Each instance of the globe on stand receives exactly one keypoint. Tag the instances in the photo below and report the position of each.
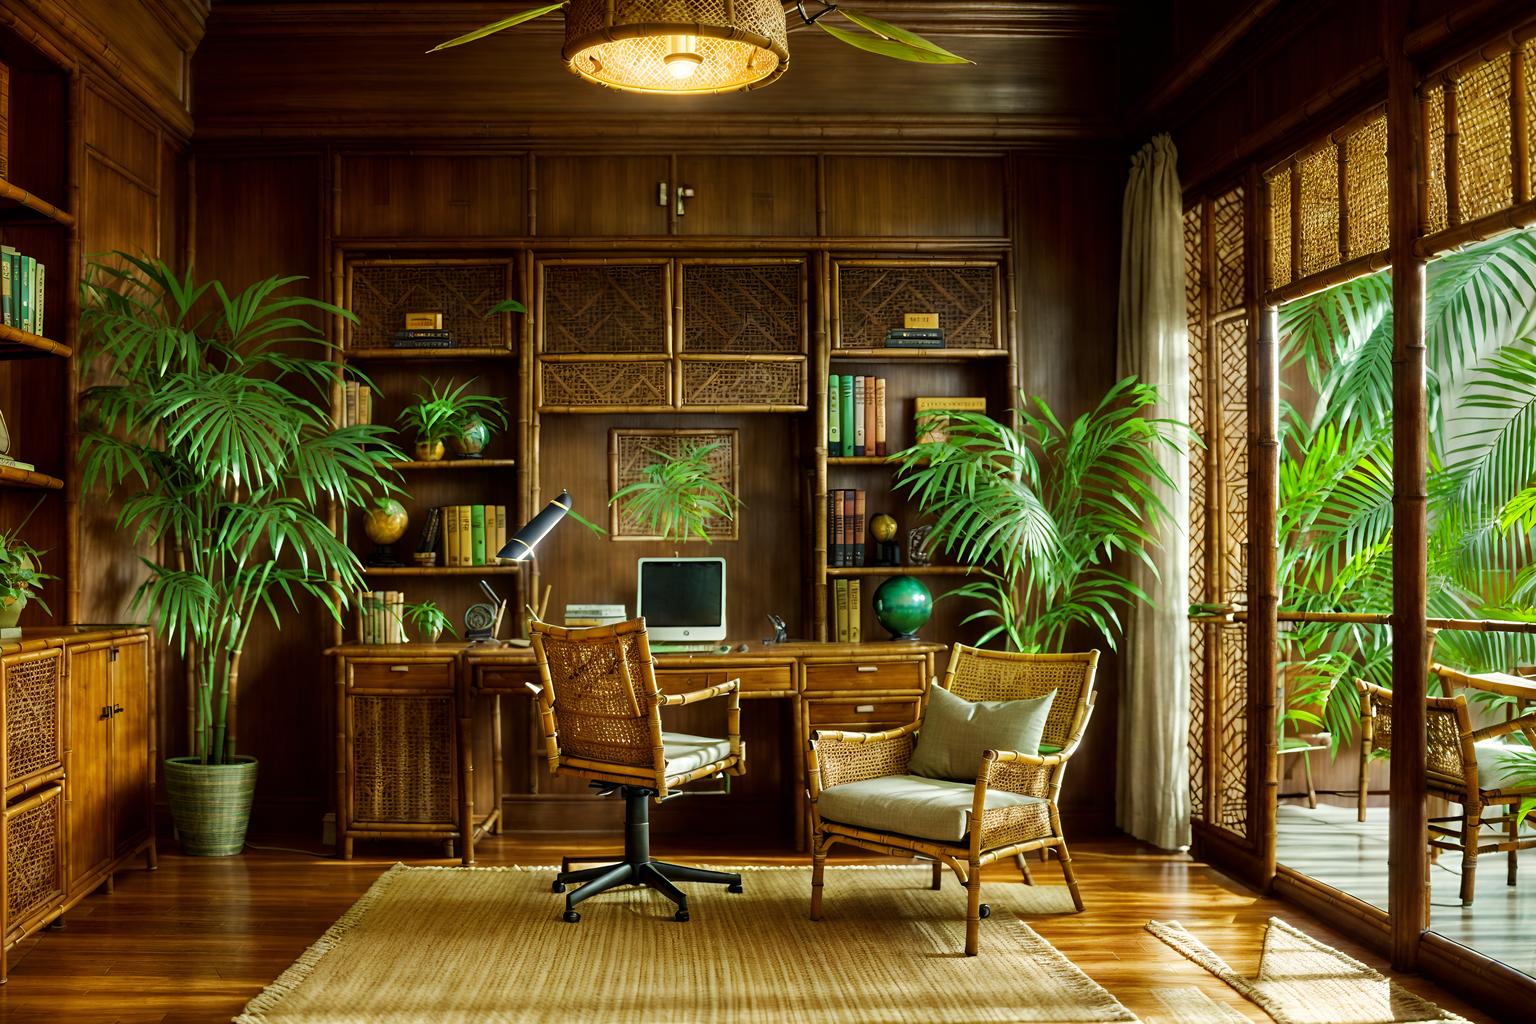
(902, 604)
(883, 528)
(384, 523)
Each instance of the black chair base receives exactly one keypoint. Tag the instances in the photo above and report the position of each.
(637, 867)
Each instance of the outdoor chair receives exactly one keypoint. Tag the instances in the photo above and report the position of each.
(877, 791)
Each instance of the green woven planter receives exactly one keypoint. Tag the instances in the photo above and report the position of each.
(210, 803)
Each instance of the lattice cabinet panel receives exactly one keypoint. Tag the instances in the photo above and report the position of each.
(34, 742)
(741, 384)
(743, 307)
(34, 860)
(630, 450)
(605, 386)
(589, 307)
(1480, 140)
(380, 292)
(402, 763)
(871, 297)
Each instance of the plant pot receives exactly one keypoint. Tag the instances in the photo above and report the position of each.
(429, 451)
(10, 609)
(471, 439)
(210, 804)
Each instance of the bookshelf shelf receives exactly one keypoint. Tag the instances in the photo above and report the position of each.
(16, 344)
(17, 204)
(10, 476)
(859, 460)
(412, 464)
(442, 570)
(947, 355)
(354, 354)
(901, 570)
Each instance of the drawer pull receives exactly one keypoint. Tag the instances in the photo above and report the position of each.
(399, 668)
(868, 668)
(864, 709)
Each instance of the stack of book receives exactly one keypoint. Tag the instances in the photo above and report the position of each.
(422, 339)
(593, 614)
(845, 528)
(914, 337)
(855, 415)
(381, 617)
(6, 460)
(22, 281)
(847, 612)
(472, 534)
(356, 404)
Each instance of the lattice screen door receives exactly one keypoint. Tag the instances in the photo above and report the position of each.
(1216, 297)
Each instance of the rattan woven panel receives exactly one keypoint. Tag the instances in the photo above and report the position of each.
(1438, 214)
(32, 723)
(850, 762)
(602, 384)
(1232, 730)
(1232, 342)
(777, 384)
(1228, 249)
(402, 760)
(34, 862)
(1365, 188)
(1442, 731)
(874, 299)
(1278, 186)
(599, 714)
(1319, 242)
(381, 295)
(1483, 140)
(618, 309)
(1528, 55)
(1198, 653)
(1013, 777)
(1194, 261)
(1007, 826)
(631, 450)
(743, 309)
(979, 677)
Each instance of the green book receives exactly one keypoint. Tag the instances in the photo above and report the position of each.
(846, 401)
(477, 535)
(834, 416)
(28, 274)
(7, 294)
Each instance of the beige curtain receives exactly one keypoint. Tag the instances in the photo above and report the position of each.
(1152, 787)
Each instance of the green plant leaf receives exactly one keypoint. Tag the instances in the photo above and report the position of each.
(497, 26)
(888, 47)
(897, 34)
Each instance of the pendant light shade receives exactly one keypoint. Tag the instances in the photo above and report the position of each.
(677, 46)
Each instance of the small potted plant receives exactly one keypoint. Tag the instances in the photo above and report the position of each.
(447, 413)
(19, 574)
(429, 621)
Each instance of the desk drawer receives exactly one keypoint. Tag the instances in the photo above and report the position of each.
(681, 680)
(865, 716)
(399, 674)
(506, 680)
(864, 675)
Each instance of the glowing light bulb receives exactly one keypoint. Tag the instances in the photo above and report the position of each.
(683, 59)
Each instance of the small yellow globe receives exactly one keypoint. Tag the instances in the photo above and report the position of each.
(883, 527)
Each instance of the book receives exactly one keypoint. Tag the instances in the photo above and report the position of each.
(498, 536)
(37, 300)
(595, 611)
(466, 535)
(10, 632)
(858, 414)
(914, 342)
(855, 613)
(349, 403)
(848, 507)
(429, 530)
(434, 321)
(871, 396)
(840, 610)
(835, 528)
(477, 535)
(880, 444)
(858, 527)
(927, 414)
(834, 416)
(364, 405)
(24, 310)
(917, 333)
(845, 405)
(7, 286)
(920, 321)
(6, 460)
(452, 547)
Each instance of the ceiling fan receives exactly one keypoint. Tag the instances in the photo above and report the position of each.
(688, 47)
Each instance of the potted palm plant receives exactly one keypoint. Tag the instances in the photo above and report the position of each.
(19, 575)
(212, 429)
(677, 495)
(447, 415)
(1043, 511)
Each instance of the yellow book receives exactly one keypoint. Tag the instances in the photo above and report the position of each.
(920, 321)
(453, 538)
(855, 613)
(500, 536)
(935, 429)
(840, 610)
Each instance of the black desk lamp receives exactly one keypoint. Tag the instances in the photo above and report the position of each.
(482, 621)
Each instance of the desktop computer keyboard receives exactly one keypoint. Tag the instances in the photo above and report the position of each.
(691, 647)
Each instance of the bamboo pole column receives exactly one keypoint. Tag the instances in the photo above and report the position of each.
(1408, 861)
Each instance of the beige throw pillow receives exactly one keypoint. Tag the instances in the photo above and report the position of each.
(955, 731)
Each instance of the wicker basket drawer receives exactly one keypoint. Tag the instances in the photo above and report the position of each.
(399, 674)
(33, 725)
(34, 859)
(871, 675)
(403, 760)
(868, 716)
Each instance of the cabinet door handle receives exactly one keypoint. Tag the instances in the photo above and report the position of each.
(399, 668)
(864, 709)
(682, 193)
(661, 193)
(117, 709)
(106, 713)
(868, 668)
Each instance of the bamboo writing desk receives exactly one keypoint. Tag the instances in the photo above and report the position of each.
(826, 686)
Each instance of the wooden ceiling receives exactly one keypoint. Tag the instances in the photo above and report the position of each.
(1046, 70)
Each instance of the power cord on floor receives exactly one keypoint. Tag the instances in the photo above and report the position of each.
(284, 849)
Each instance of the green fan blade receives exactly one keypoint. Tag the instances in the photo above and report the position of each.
(896, 49)
(896, 33)
(497, 26)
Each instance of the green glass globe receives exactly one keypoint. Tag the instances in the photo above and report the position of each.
(902, 604)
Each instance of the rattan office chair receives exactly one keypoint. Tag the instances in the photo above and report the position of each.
(1012, 799)
(600, 711)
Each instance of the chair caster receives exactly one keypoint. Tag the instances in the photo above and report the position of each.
(681, 915)
(985, 911)
(733, 888)
(557, 886)
(571, 917)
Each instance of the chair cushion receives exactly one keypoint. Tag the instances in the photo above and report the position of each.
(1491, 763)
(685, 753)
(955, 731)
(911, 805)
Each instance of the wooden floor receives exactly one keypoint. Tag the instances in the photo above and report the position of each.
(196, 939)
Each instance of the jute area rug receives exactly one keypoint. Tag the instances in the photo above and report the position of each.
(1304, 981)
(488, 945)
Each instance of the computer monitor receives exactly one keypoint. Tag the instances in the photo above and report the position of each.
(682, 599)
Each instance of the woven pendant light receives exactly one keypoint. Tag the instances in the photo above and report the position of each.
(677, 46)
